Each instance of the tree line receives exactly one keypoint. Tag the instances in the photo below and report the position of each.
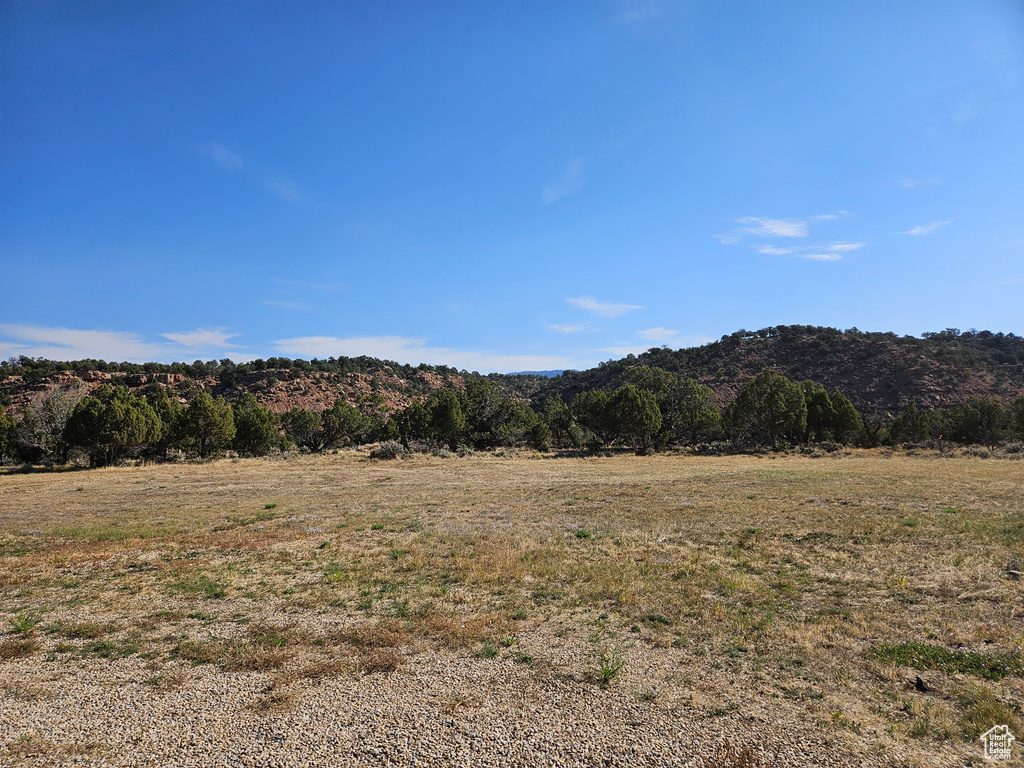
(652, 410)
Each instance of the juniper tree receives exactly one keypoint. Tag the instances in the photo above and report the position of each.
(255, 426)
(110, 422)
(209, 424)
(770, 406)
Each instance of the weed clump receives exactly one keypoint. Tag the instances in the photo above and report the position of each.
(610, 663)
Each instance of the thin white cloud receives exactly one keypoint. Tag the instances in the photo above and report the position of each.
(765, 227)
(844, 247)
(658, 334)
(604, 309)
(292, 305)
(771, 250)
(403, 349)
(76, 344)
(221, 155)
(924, 229)
(818, 256)
(202, 338)
(571, 180)
(832, 252)
(559, 328)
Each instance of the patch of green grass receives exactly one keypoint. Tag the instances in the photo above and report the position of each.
(203, 585)
(24, 623)
(521, 657)
(923, 656)
(271, 505)
(487, 651)
(108, 649)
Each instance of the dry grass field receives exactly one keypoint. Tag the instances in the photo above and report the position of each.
(857, 609)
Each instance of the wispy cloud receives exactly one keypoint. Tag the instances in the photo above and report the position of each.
(924, 229)
(604, 309)
(765, 227)
(829, 216)
(658, 334)
(56, 343)
(201, 338)
(292, 305)
(221, 155)
(772, 250)
(761, 227)
(559, 328)
(817, 256)
(832, 252)
(404, 349)
(569, 181)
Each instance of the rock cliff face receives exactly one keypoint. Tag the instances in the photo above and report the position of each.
(278, 390)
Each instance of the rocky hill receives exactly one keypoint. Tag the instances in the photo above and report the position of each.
(880, 372)
(374, 383)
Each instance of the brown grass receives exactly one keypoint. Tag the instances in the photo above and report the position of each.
(379, 661)
(779, 573)
(17, 648)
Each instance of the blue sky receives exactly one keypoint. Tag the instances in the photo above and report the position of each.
(502, 186)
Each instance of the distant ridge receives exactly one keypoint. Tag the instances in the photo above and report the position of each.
(546, 374)
(881, 373)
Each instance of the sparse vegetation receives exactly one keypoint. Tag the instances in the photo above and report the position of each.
(924, 656)
(786, 582)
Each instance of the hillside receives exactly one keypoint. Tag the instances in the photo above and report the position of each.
(880, 372)
(277, 383)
